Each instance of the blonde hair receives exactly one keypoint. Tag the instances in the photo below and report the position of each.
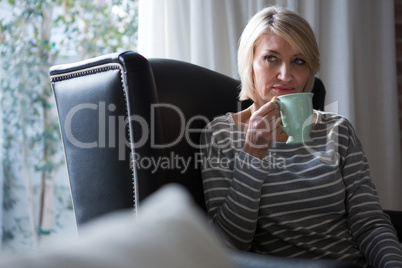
(285, 23)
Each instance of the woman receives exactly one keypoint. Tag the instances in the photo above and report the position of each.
(312, 200)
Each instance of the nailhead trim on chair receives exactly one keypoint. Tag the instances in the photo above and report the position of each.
(84, 73)
(133, 175)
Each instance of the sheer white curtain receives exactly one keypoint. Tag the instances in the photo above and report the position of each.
(204, 32)
(357, 44)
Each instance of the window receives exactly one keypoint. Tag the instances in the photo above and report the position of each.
(34, 189)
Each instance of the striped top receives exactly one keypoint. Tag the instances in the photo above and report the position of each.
(311, 201)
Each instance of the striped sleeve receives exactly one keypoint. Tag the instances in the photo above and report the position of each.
(370, 226)
(232, 185)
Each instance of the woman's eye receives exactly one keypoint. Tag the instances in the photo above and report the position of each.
(299, 61)
(270, 58)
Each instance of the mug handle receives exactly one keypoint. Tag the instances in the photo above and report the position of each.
(281, 107)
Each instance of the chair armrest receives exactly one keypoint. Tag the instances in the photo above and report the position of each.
(253, 260)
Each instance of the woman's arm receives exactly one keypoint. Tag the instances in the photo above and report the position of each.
(370, 226)
(232, 181)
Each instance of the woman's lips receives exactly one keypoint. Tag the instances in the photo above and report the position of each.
(284, 89)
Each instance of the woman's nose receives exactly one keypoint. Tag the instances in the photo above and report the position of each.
(284, 73)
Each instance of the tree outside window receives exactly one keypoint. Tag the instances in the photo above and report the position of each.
(35, 35)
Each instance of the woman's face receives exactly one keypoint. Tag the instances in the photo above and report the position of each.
(278, 69)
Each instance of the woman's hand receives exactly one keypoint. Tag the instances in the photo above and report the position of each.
(263, 129)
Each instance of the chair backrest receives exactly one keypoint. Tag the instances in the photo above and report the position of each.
(130, 124)
(190, 96)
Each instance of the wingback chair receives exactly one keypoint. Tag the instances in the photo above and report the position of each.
(121, 113)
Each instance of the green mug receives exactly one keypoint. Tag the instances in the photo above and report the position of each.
(297, 116)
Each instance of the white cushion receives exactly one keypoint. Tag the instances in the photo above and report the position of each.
(169, 231)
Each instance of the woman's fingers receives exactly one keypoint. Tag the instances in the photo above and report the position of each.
(263, 129)
(267, 108)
